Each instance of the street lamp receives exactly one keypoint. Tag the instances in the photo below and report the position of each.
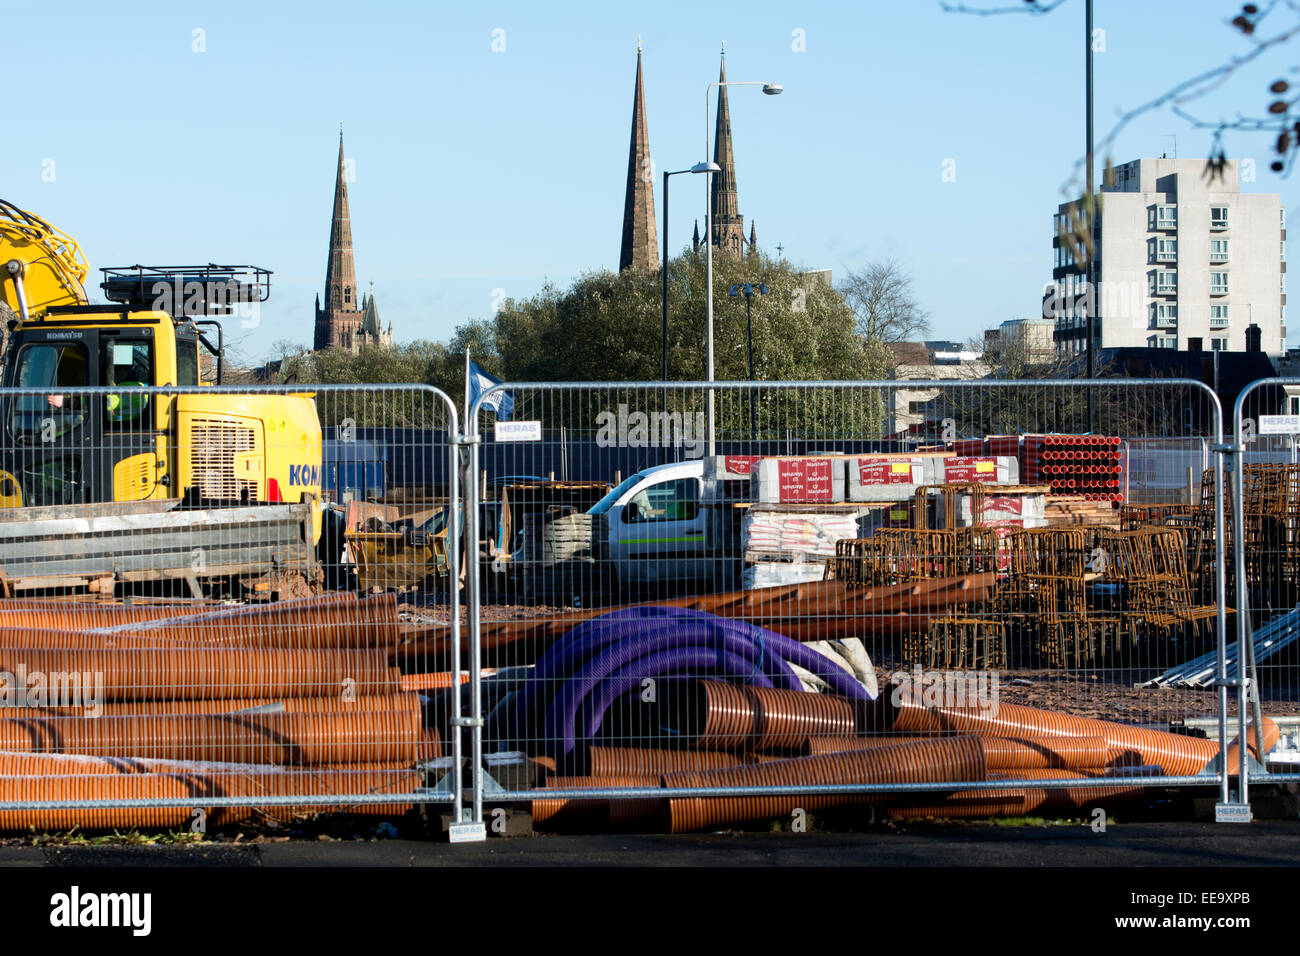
(747, 289)
(697, 168)
(771, 89)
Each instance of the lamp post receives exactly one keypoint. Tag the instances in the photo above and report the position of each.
(771, 89)
(747, 289)
(664, 271)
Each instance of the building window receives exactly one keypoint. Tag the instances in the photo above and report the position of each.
(1295, 404)
(1218, 250)
(1218, 316)
(1218, 217)
(1218, 283)
(1167, 250)
(1166, 216)
(1163, 341)
(1166, 314)
(1219, 344)
(1281, 215)
(1282, 283)
(1281, 251)
(1166, 283)
(347, 294)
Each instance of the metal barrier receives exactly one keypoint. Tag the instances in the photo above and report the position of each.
(219, 607)
(650, 646)
(1264, 514)
(930, 597)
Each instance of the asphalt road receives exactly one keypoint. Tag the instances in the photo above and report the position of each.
(1274, 843)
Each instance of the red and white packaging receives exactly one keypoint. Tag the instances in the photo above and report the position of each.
(883, 478)
(990, 469)
(1003, 508)
(730, 467)
(797, 480)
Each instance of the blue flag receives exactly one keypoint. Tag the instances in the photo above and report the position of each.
(503, 403)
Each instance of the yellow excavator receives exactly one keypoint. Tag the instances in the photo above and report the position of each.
(61, 447)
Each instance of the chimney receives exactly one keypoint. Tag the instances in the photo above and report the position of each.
(1194, 344)
(1254, 338)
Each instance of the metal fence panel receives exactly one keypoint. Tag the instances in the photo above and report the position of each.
(809, 596)
(1265, 583)
(223, 604)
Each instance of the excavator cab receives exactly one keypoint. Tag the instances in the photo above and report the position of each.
(68, 448)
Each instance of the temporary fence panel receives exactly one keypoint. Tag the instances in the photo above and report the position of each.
(1264, 518)
(930, 598)
(217, 604)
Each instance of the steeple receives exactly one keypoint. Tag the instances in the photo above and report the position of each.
(753, 239)
(340, 271)
(728, 224)
(640, 248)
(695, 241)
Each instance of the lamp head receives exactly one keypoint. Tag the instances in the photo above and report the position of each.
(773, 89)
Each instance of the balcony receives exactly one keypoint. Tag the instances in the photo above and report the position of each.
(1218, 323)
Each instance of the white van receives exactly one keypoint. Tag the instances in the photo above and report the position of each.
(654, 530)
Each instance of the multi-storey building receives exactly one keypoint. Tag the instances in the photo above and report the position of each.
(1179, 257)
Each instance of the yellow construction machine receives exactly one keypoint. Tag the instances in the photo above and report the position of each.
(62, 447)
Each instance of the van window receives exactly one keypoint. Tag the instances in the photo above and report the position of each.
(677, 500)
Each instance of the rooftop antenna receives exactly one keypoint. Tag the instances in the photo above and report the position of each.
(1174, 139)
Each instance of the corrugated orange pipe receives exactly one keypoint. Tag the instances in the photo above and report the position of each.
(285, 739)
(194, 789)
(596, 814)
(293, 705)
(311, 622)
(189, 673)
(626, 761)
(1177, 754)
(85, 616)
(13, 764)
(760, 718)
(955, 759)
(840, 743)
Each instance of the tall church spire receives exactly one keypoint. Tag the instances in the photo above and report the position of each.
(340, 305)
(728, 224)
(640, 248)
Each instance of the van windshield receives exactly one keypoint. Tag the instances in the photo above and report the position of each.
(604, 504)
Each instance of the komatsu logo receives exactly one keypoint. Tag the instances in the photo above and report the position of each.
(304, 475)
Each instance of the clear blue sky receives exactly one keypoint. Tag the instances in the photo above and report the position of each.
(478, 171)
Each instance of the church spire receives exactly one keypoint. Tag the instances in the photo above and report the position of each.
(340, 272)
(640, 248)
(695, 241)
(728, 224)
(753, 239)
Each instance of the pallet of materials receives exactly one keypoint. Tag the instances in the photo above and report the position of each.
(801, 535)
(1063, 511)
(1088, 466)
(798, 480)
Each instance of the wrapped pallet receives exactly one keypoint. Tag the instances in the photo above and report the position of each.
(770, 574)
(813, 479)
(883, 477)
(795, 535)
(985, 469)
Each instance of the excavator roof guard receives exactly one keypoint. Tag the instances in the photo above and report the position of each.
(186, 290)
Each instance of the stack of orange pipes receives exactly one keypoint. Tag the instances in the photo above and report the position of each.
(177, 701)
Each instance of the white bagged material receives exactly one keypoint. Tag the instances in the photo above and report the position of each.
(798, 533)
(770, 574)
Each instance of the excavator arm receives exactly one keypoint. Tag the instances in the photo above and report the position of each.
(40, 266)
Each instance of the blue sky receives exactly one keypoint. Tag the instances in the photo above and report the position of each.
(478, 171)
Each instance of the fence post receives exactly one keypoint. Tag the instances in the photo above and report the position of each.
(473, 829)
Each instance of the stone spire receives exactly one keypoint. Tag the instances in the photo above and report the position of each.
(695, 241)
(640, 248)
(753, 239)
(340, 307)
(728, 224)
